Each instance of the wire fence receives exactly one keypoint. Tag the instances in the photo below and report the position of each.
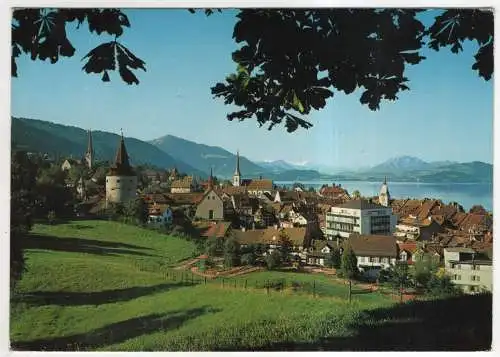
(311, 287)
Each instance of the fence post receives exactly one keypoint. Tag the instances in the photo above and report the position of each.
(222, 282)
(245, 284)
(267, 287)
(235, 283)
(314, 288)
(205, 280)
(192, 278)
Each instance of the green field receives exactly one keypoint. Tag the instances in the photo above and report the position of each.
(86, 289)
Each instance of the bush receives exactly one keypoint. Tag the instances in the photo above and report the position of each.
(248, 259)
(273, 260)
(51, 217)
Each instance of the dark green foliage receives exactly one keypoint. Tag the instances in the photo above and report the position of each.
(349, 265)
(285, 246)
(441, 286)
(53, 193)
(41, 33)
(231, 253)
(273, 260)
(290, 60)
(248, 258)
(423, 270)
(212, 246)
(333, 260)
(137, 210)
(22, 199)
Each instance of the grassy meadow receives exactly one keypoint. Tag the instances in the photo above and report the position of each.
(86, 289)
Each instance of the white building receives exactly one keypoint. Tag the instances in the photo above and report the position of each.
(359, 216)
(469, 269)
(121, 180)
(160, 216)
(374, 252)
(237, 173)
(384, 196)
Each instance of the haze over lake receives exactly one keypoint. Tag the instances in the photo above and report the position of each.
(466, 194)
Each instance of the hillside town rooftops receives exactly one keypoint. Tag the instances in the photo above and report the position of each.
(361, 205)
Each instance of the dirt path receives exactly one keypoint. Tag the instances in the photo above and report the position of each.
(189, 263)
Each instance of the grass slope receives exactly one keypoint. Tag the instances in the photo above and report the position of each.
(84, 290)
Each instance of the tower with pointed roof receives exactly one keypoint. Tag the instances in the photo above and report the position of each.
(210, 180)
(121, 180)
(384, 196)
(89, 155)
(237, 173)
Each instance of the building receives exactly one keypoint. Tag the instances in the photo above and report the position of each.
(336, 192)
(183, 185)
(359, 216)
(89, 155)
(69, 163)
(416, 229)
(374, 251)
(384, 196)
(211, 206)
(260, 187)
(237, 173)
(121, 180)
(470, 270)
(319, 251)
(160, 215)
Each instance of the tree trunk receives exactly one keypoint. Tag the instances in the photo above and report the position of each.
(350, 291)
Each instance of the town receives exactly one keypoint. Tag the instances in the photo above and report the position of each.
(382, 231)
(250, 179)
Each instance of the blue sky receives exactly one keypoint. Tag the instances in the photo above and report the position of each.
(447, 114)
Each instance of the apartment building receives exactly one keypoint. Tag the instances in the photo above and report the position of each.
(470, 270)
(359, 216)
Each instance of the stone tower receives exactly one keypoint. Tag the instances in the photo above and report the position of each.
(237, 173)
(89, 155)
(384, 197)
(121, 180)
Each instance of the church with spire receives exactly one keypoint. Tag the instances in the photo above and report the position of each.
(89, 155)
(237, 173)
(121, 180)
(384, 196)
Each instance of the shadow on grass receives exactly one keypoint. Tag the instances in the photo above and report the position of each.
(456, 324)
(80, 245)
(114, 333)
(61, 298)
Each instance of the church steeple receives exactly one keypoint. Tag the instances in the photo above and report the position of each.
(89, 155)
(384, 196)
(237, 173)
(237, 170)
(211, 180)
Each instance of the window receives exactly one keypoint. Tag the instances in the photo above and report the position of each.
(376, 259)
(474, 278)
(118, 181)
(475, 267)
(211, 214)
(457, 277)
(385, 260)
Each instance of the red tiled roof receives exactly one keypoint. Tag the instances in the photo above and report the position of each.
(218, 230)
(408, 246)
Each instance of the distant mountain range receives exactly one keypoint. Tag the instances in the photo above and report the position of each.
(197, 159)
(204, 157)
(410, 169)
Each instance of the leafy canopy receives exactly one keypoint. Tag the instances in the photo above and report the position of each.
(289, 61)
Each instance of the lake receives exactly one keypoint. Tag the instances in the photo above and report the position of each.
(466, 194)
